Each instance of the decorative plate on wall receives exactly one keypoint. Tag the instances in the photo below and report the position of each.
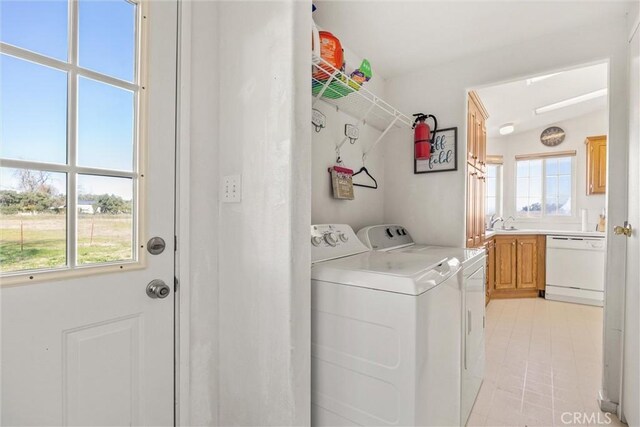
(552, 136)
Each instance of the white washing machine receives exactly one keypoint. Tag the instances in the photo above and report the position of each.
(395, 238)
(385, 334)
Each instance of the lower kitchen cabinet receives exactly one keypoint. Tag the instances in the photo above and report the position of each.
(490, 246)
(519, 266)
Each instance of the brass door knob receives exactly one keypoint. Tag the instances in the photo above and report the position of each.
(626, 229)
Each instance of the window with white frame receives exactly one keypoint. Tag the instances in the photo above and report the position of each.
(544, 186)
(494, 190)
(69, 116)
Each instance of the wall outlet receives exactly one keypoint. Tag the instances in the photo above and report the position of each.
(231, 191)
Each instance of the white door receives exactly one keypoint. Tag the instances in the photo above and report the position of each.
(631, 367)
(87, 178)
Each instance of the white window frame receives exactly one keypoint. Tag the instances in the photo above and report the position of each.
(499, 187)
(71, 168)
(543, 212)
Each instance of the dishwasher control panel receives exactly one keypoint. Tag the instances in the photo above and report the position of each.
(577, 243)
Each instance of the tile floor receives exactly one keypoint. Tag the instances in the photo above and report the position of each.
(543, 358)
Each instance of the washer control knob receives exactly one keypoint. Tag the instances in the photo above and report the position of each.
(389, 233)
(330, 238)
(343, 237)
(316, 240)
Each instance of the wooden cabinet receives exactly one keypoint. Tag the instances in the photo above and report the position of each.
(505, 263)
(527, 263)
(490, 268)
(476, 168)
(476, 183)
(519, 266)
(476, 132)
(596, 164)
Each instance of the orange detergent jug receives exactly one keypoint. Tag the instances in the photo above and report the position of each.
(331, 52)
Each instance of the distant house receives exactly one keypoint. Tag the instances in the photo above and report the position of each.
(87, 207)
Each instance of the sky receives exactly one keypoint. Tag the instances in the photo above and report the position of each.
(33, 98)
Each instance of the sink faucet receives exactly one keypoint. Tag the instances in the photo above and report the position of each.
(493, 220)
(504, 223)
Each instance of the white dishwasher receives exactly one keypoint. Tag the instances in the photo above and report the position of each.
(575, 269)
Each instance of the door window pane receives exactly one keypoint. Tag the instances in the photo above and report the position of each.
(107, 37)
(33, 224)
(105, 125)
(33, 111)
(105, 219)
(38, 26)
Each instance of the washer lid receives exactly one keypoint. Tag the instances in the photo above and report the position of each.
(466, 256)
(403, 273)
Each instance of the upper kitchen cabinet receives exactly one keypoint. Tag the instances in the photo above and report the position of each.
(476, 168)
(596, 164)
(476, 132)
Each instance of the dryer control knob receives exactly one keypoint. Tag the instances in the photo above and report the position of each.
(343, 237)
(316, 240)
(330, 238)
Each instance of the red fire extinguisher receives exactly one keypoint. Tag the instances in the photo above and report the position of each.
(422, 139)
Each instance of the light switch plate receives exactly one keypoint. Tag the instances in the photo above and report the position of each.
(231, 191)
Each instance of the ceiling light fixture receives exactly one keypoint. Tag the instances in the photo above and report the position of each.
(506, 129)
(533, 80)
(571, 101)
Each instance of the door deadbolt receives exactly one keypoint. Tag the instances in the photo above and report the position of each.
(626, 229)
(156, 245)
(158, 289)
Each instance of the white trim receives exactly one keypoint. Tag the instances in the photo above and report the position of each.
(182, 214)
(57, 167)
(543, 215)
(72, 134)
(71, 168)
(70, 67)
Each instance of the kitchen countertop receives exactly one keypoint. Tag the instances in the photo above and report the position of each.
(500, 232)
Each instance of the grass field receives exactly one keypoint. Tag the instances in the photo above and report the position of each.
(44, 240)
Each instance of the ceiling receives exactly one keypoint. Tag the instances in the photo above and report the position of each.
(515, 102)
(399, 37)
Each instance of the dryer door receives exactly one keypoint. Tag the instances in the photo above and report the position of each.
(473, 339)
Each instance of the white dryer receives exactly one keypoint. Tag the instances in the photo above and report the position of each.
(385, 334)
(393, 238)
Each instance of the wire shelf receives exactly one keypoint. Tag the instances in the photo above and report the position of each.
(336, 88)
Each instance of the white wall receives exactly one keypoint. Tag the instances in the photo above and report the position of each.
(197, 210)
(247, 266)
(367, 206)
(432, 206)
(528, 142)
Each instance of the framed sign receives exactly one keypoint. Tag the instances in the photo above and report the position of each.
(445, 156)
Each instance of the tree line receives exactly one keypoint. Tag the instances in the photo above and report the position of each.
(37, 195)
